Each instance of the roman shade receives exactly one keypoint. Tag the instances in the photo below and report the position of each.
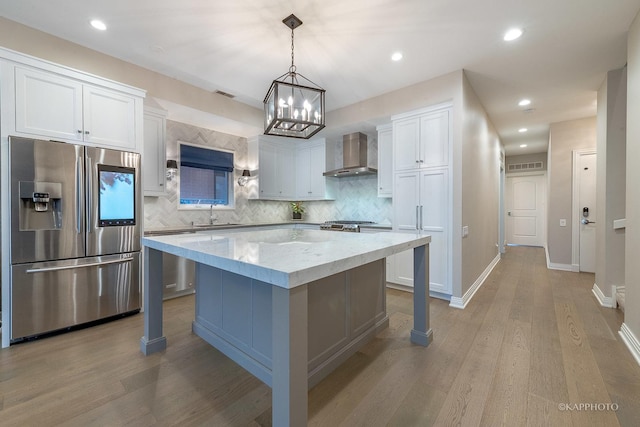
(203, 158)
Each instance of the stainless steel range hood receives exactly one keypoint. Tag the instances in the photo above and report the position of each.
(354, 149)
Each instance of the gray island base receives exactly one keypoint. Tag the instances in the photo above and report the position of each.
(287, 305)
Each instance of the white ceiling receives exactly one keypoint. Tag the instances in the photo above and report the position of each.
(240, 46)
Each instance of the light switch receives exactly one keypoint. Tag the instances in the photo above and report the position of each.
(465, 231)
(563, 222)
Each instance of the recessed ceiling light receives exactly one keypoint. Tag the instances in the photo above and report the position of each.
(523, 145)
(397, 56)
(524, 102)
(522, 130)
(98, 24)
(512, 34)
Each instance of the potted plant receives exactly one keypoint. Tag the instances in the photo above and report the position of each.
(297, 209)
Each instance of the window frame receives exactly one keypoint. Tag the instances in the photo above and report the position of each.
(230, 177)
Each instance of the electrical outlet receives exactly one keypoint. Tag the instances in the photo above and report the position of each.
(563, 222)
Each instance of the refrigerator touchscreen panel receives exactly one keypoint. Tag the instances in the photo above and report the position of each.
(116, 201)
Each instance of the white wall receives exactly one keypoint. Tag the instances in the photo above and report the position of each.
(632, 242)
(564, 138)
(481, 151)
(610, 191)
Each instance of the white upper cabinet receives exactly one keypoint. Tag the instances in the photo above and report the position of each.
(385, 161)
(47, 104)
(421, 141)
(276, 167)
(290, 169)
(310, 165)
(154, 155)
(109, 117)
(54, 106)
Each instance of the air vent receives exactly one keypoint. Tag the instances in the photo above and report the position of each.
(228, 95)
(518, 167)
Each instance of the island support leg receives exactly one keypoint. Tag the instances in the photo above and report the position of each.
(153, 340)
(421, 333)
(289, 363)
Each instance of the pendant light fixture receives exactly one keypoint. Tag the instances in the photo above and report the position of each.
(294, 105)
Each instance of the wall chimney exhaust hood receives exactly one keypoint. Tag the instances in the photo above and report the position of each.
(354, 149)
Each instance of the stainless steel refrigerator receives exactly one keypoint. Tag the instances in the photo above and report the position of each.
(75, 235)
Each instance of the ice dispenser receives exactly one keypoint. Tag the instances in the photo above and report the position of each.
(40, 207)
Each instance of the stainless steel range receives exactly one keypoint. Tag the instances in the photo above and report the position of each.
(345, 225)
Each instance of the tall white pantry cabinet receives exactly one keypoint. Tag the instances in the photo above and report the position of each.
(422, 190)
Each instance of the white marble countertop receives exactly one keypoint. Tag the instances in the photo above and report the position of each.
(285, 257)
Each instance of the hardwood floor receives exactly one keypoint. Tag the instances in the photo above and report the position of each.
(530, 340)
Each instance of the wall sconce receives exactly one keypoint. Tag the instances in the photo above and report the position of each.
(242, 181)
(172, 169)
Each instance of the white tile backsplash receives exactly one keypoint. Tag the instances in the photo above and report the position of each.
(356, 197)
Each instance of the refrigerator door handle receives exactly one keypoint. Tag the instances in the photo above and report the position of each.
(89, 172)
(71, 267)
(79, 195)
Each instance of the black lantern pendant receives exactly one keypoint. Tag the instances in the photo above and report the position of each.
(294, 105)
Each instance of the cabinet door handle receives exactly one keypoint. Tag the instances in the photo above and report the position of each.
(79, 130)
(86, 132)
(420, 217)
(417, 217)
(421, 161)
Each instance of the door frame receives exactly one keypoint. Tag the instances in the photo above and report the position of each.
(545, 199)
(575, 216)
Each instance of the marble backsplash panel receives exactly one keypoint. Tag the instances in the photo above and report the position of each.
(356, 197)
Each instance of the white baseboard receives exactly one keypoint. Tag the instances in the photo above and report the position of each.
(631, 341)
(605, 301)
(461, 303)
(556, 266)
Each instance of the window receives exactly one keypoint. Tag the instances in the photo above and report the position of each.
(205, 177)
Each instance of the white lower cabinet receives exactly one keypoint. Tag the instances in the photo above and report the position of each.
(390, 267)
(421, 203)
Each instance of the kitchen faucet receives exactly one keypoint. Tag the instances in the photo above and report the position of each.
(211, 217)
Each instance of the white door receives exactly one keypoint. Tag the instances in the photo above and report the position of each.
(586, 215)
(525, 202)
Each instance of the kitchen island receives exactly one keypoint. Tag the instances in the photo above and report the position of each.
(289, 305)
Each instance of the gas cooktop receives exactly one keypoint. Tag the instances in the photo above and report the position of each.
(344, 225)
